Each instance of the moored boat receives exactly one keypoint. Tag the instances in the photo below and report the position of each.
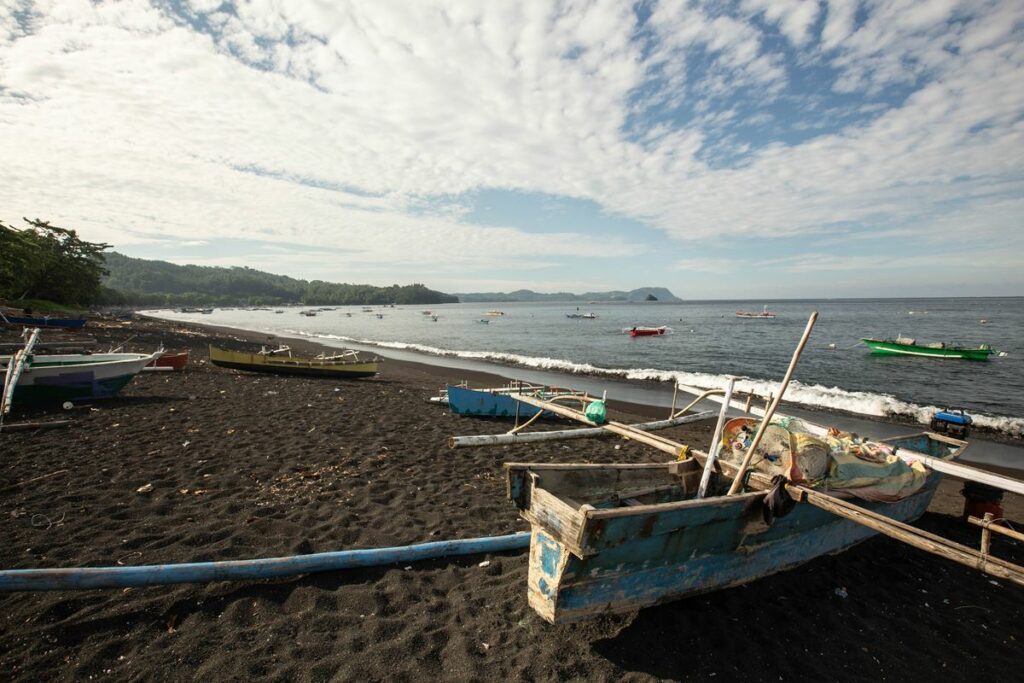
(345, 365)
(904, 346)
(581, 316)
(748, 314)
(648, 331)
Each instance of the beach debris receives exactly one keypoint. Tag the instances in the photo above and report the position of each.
(185, 444)
(145, 488)
(841, 592)
(67, 405)
(485, 563)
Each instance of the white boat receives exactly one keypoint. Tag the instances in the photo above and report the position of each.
(76, 377)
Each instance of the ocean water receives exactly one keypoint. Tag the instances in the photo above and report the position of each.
(707, 342)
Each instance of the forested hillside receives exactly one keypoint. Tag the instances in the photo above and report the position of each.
(132, 281)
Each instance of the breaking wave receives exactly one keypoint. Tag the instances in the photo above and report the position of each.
(811, 395)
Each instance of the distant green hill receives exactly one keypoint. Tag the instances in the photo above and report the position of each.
(642, 294)
(134, 281)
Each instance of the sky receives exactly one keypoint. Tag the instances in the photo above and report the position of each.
(753, 149)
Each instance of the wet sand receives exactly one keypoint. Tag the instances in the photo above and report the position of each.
(244, 466)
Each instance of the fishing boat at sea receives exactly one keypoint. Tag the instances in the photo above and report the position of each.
(344, 365)
(45, 321)
(906, 346)
(495, 313)
(648, 331)
(763, 314)
(581, 316)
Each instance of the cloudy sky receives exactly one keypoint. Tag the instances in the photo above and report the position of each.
(764, 148)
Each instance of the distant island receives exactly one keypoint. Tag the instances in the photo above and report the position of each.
(659, 294)
(142, 282)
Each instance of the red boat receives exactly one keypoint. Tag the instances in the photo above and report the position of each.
(763, 314)
(171, 359)
(647, 331)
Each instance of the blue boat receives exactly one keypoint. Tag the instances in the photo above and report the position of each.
(487, 402)
(610, 539)
(45, 321)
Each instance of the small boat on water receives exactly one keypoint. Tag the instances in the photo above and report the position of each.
(905, 346)
(581, 316)
(75, 377)
(648, 331)
(344, 365)
(45, 321)
(308, 314)
(495, 312)
(175, 360)
(763, 314)
(484, 321)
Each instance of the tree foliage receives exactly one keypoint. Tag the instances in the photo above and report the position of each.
(133, 281)
(44, 261)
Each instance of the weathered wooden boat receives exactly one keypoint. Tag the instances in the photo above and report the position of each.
(495, 402)
(345, 365)
(763, 314)
(905, 346)
(45, 322)
(175, 360)
(648, 331)
(610, 539)
(75, 377)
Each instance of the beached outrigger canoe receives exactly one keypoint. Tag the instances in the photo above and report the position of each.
(345, 365)
(615, 538)
(75, 377)
(904, 346)
(497, 402)
(45, 321)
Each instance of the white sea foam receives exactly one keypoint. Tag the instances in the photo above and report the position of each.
(814, 395)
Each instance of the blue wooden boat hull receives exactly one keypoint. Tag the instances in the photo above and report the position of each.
(465, 401)
(590, 561)
(64, 323)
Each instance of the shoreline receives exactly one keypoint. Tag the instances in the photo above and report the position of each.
(212, 464)
(434, 365)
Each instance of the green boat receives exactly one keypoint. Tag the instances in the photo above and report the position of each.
(903, 346)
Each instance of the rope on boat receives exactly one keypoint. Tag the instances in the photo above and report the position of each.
(86, 578)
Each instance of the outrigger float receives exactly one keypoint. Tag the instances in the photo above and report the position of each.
(772, 494)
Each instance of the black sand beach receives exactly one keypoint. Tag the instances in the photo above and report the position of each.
(245, 466)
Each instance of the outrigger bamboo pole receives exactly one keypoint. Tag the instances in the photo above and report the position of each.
(910, 535)
(716, 441)
(14, 368)
(567, 434)
(737, 482)
(662, 444)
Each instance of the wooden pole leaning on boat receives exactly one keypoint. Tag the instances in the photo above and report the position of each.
(737, 483)
(14, 368)
(664, 445)
(716, 440)
(567, 434)
(919, 538)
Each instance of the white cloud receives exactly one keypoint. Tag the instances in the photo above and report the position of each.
(353, 124)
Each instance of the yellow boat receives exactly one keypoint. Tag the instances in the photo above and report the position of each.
(345, 365)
